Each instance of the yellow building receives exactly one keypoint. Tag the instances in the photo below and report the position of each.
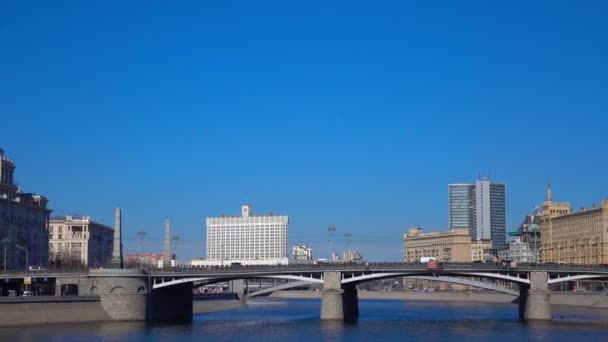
(574, 237)
(480, 250)
(452, 245)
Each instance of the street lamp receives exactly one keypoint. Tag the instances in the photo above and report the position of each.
(141, 234)
(347, 236)
(331, 229)
(175, 238)
(26, 254)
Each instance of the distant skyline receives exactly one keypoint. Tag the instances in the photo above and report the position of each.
(348, 113)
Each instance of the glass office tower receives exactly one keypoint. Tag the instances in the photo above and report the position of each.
(481, 207)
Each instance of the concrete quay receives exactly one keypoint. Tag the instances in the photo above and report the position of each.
(592, 300)
(24, 311)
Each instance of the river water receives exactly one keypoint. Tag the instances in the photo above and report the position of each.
(380, 320)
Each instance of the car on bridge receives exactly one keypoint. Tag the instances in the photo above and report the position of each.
(36, 268)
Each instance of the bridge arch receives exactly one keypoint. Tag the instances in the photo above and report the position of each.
(576, 277)
(445, 279)
(211, 280)
(117, 290)
(377, 276)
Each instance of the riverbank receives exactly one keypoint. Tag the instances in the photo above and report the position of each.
(595, 300)
(25, 311)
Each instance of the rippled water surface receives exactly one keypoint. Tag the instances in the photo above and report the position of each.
(380, 320)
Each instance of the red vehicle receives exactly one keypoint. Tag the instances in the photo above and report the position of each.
(432, 264)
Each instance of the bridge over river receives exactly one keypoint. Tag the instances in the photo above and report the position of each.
(166, 294)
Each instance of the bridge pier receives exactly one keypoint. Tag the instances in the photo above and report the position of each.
(332, 308)
(237, 286)
(127, 295)
(58, 287)
(534, 299)
(337, 303)
(350, 303)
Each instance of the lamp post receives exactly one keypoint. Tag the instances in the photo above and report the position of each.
(26, 254)
(331, 229)
(141, 234)
(347, 236)
(175, 238)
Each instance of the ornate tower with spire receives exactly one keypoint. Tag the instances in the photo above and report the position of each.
(554, 209)
(551, 210)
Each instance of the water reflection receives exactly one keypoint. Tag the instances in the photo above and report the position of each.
(298, 320)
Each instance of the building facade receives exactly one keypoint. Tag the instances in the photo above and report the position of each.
(481, 250)
(518, 251)
(24, 220)
(526, 246)
(480, 207)
(301, 252)
(149, 260)
(352, 256)
(247, 239)
(574, 237)
(461, 202)
(78, 240)
(450, 246)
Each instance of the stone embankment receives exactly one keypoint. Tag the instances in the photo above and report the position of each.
(17, 311)
(597, 300)
(39, 310)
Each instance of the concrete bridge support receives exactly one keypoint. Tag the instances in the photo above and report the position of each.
(534, 299)
(58, 287)
(237, 286)
(337, 303)
(127, 295)
(332, 308)
(350, 303)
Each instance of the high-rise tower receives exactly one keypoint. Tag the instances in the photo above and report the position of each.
(481, 207)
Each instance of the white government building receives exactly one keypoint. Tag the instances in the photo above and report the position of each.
(247, 239)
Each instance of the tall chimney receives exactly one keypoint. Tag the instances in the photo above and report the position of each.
(117, 251)
(167, 255)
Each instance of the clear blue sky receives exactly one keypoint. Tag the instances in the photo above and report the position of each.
(356, 114)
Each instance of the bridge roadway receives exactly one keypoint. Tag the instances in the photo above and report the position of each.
(164, 294)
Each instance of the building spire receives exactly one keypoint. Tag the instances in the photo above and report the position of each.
(549, 189)
(117, 261)
(166, 254)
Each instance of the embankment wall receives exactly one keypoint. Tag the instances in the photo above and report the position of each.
(16, 311)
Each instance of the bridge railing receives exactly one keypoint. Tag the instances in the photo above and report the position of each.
(38, 273)
(375, 266)
(487, 266)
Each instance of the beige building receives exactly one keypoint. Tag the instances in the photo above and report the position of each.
(24, 219)
(302, 252)
(451, 246)
(480, 250)
(574, 237)
(148, 260)
(79, 240)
